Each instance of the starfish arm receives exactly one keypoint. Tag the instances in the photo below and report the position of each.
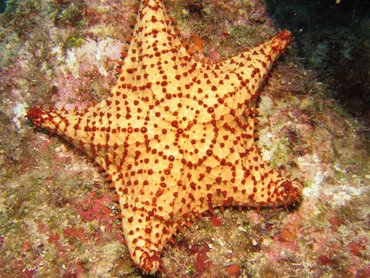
(89, 130)
(250, 68)
(145, 237)
(154, 33)
(254, 184)
(156, 55)
(61, 122)
(227, 87)
(236, 175)
(150, 201)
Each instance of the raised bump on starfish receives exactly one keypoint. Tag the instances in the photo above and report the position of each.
(176, 136)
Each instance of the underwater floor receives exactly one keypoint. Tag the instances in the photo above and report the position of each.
(59, 219)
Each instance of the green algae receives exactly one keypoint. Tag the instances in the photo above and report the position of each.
(71, 14)
(247, 36)
(75, 41)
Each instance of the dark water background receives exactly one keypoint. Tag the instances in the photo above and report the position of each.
(334, 40)
(2, 5)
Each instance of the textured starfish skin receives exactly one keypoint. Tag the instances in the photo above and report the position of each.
(176, 136)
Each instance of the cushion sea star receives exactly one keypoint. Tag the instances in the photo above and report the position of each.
(176, 136)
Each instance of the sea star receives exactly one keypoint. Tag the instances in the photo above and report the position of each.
(176, 136)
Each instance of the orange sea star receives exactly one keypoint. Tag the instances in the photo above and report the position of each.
(176, 136)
